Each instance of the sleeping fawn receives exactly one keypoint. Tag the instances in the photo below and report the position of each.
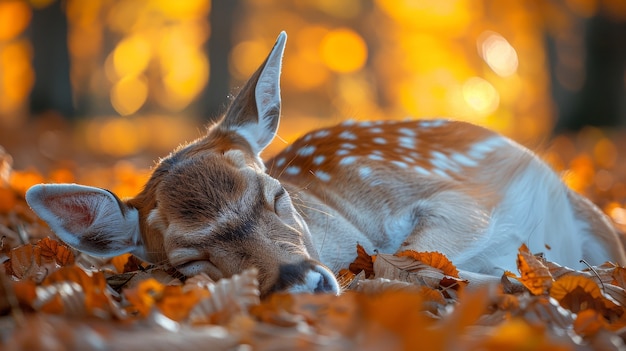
(213, 206)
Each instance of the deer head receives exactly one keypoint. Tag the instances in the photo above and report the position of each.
(208, 207)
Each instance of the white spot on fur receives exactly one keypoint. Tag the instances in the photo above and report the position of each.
(481, 149)
(379, 140)
(348, 135)
(348, 146)
(433, 123)
(375, 157)
(400, 164)
(463, 160)
(375, 130)
(406, 131)
(342, 152)
(365, 172)
(280, 162)
(306, 150)
(347, 160)
(421, 170)
(406, 142)
(349, 122)
(317, 160)
(321, 133)
(292, 170)
(323, 176)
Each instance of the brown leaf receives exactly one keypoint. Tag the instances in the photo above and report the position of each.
(433, 259)
(226, 298)
(53, 250)
(143, 296)
(25, 263)
(407, 269)
(588, 323)
(362, 262)
(578, 293)
(93, 286)
(534, 274)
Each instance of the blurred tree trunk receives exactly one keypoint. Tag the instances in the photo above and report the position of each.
(214, 100)
(52, 89)
(601, 100)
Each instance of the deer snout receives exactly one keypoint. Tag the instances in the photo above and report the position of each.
(306, 277)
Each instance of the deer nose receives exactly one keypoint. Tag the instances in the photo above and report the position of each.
(327, 283)
(307, 277)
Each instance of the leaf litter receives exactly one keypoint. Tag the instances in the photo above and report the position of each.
(55, 298)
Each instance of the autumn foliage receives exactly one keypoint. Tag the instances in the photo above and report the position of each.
(55, 298)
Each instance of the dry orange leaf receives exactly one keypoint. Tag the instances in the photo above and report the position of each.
(433, 259)
(54, 250)
(143, 296)
(120, 261)
(535, 276)
(25, 263)
(588, 323)
(578, 293)
(176, 304)
(93, 284)
(362, 262)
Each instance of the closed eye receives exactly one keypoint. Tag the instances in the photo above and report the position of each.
(195, 267)
(279, 194)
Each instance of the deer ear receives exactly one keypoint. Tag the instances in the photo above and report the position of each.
(91, 220)
(255, 112)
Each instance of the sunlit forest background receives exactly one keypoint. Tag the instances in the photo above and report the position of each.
(95, 91)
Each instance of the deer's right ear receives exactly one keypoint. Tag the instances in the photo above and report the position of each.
(255, 112)
(89, 219)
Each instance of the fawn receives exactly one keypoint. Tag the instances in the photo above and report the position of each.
(213, 206)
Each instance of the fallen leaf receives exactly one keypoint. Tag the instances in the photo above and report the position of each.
(54, 250)
(433, 259)
(588, 323)
(362, 262)
(535, 276)
(577, 293)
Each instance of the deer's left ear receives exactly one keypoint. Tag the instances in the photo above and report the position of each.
(255, 112)
(91, 220)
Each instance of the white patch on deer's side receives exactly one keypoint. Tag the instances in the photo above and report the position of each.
(348, 135)
(348, 160)
(408, 159)
(421, 170)
(481, 149)
(463, 160)
(319, 159)
(407, 132)
(349, 122)
(440, 172)
(280, 162)
(376, 157)
(400, 164)
(433, 123)
(307, 138)
(292, 170)
(376, 130)
(323, 176)
(407, 142)
(321, 133)
(379, 140)
(342, 152)
(365, 172)
(440, 160)
(348, 146)
(365, 124)
(306, 150)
